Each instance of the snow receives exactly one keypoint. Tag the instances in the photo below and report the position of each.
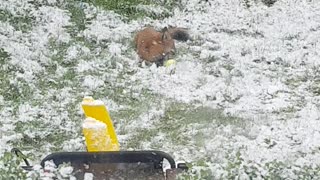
(88, 176)
(91, 123)
(259, 64)
(92, 82)
(89, 101)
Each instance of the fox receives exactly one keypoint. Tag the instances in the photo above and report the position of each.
(155, 46)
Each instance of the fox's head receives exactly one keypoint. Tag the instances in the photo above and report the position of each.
(169, 48)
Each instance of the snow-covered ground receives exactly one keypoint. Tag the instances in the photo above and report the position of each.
(244, 100)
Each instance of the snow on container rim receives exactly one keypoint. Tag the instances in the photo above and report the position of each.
(89, 101)
(91, 123)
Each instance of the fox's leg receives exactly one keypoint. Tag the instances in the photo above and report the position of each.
(159, 63)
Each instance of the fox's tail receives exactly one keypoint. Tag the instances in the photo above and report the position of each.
(180, 34)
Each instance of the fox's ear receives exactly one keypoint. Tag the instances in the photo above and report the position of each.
(164, 29)
(165, 34)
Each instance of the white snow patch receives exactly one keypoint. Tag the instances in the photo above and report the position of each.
(92, 82)
(91, 123)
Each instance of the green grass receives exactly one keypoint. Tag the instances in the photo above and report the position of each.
(20, 22)
(4, 73)
(9, 168)
(17, 91)
(177, 118)
(203, 173)
(129, 8)
(78, 19)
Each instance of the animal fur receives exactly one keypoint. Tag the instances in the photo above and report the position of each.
(157, 46)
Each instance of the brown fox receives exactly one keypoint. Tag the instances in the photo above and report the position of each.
(157, 46)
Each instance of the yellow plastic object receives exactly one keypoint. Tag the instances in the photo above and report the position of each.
(96, 109)
(95, 133)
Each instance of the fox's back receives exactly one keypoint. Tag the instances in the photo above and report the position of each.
(147, 35)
